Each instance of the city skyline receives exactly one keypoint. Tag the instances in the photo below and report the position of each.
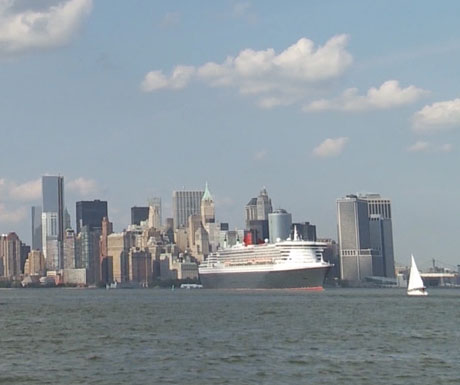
(243, 99)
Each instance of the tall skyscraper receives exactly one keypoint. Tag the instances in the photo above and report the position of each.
(185, 203)
(381, 231)
(155, 213)
(264, 205)
(90, 213)
(36, 228)
(53, 221)
(258, 208)
(139, 214)
(10, 254)
(365, 237)
(208, 212)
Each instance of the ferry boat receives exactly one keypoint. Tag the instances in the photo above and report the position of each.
(293, 263)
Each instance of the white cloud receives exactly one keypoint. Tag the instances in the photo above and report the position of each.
(419, 146)
(28, 191)
(422, 146)
(31, 28)
(388, 95)
(260, 155)
(155, 80)
(12, 216)
(330, 147)
(437, 117)
(284, 77)
(83, 186)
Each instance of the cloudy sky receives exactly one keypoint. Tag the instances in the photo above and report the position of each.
(313, 100)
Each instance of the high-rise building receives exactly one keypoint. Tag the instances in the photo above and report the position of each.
(53, 221)
(90, 213)
(104, 260)
(365, 237)
(381, 231)
(155, 213)
(36, 228)
(279, 225)
(208, 212)
(118, 246)
(139, 214)
(69, 249)
(10, 254)
(264, 205)
(88, 253)
(251, 212)
(258, 208)
(35, 263)
(185, 203)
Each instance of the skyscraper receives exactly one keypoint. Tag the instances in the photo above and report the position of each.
(139, 214)
(90, 213)
(264, 205)
(155, 213)
(354, 239)
(10, 253)
(53, 221)
(258, 208)
(36, 228)
(381, 231)
(208, 212)
(365, 237)
(185, 203)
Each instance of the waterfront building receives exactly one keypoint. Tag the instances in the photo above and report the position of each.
(36, 227)
(139, 214)
(139, 266)
(354, 239)
(185, 203)
(381, 231)
(35, 264)
(10, 254)
(53, 221)
(88, 253)
(365, 237)
(90, 213)
(279, 225)
(118, 246)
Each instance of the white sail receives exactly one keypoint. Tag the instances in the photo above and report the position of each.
(415, 286)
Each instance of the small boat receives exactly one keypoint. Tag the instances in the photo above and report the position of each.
(415, 286)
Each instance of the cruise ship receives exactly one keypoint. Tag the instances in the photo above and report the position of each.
(292, 263)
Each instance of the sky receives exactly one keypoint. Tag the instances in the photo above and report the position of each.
(313, 100)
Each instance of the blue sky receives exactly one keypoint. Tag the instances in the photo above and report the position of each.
(313, 100)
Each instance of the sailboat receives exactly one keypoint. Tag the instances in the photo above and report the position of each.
(415, 286)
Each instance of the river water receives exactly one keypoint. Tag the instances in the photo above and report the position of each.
(338, 336)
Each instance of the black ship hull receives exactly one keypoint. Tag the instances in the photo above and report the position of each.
(284, 279)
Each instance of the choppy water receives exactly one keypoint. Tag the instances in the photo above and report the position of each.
(353, 336)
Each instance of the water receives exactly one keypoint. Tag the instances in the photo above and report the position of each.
(339, 336)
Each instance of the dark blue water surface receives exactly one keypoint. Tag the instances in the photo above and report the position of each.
(338, 336)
